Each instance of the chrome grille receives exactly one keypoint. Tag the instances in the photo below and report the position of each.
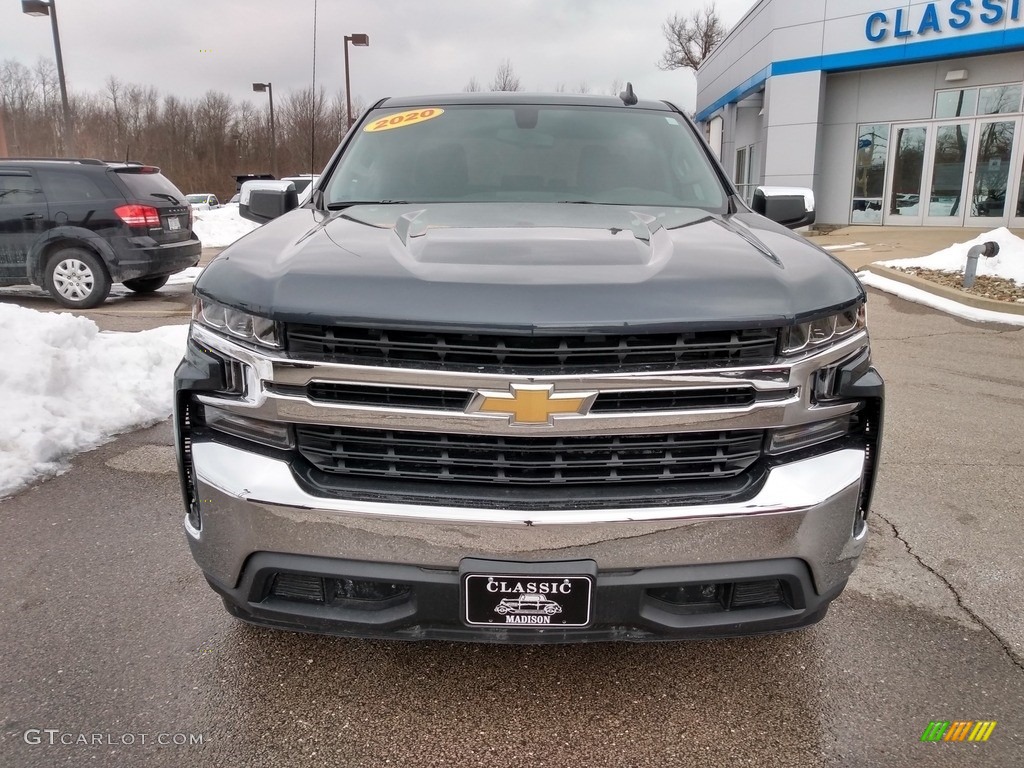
(526, 461)
(342, 393)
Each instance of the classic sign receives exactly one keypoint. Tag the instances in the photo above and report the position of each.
(937, 18)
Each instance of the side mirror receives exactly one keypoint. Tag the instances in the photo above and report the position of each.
(791, 207)
(263, 201)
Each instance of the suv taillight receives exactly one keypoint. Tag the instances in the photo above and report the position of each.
(142, 216)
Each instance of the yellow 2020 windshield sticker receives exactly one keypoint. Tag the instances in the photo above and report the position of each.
(402, 119)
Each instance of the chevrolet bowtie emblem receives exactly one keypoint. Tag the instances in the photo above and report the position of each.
(531, 404)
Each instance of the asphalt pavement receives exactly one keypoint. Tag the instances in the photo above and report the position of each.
(112, 638)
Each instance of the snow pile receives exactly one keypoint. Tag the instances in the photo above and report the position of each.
(221, 227)
(919, 296)
(67, 387)
(185, 277)
(1008, 264)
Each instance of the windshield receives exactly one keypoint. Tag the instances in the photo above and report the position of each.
(197, 198)
(526, 153)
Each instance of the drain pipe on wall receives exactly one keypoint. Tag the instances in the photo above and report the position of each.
(988, 250)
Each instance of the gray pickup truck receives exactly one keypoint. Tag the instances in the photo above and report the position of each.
(527, 350)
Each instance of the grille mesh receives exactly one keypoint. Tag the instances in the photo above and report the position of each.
(505, 353)
(529, 461)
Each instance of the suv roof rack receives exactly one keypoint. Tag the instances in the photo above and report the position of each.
(82, 160)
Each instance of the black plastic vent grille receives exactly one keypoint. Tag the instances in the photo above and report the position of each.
(621, 459)
(506, 353)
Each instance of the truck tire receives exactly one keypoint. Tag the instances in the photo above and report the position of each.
(77, 278)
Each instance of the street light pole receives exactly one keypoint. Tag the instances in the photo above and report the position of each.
(269, 88)
(49, 8)
(360, 40)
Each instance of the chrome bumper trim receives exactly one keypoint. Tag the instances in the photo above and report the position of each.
(807, 510)
(259, 479)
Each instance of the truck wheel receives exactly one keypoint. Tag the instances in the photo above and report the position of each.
(146, 284)
(77, 278)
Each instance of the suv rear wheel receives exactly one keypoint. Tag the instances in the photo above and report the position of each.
(77, 279)
(146, 284)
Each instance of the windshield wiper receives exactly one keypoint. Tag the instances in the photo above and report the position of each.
(349, 203)
(165, 196)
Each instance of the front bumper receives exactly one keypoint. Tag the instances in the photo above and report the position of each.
(802, 528)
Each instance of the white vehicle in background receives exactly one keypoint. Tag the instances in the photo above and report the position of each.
(302, 182)
(203, 201)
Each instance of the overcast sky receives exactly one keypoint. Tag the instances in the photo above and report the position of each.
(187, 47)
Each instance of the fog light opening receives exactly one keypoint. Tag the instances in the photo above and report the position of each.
(299, 587)
(338, 592)
(724, 596)
(365, 591)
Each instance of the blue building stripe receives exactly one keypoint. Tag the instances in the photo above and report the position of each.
(890, 55)
(741, 91)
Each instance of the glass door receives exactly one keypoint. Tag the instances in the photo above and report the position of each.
(1017, 204)
(903, 203)
(990, 188)
(947, 183)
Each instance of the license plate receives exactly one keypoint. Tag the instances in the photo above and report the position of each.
(511, 601)
(173, 223)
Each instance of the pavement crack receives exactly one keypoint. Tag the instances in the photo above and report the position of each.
(968, 332)
(1010, 654)
(980, 464)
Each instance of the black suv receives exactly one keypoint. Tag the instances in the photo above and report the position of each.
(77, 226)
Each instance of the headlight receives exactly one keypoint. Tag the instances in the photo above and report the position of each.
(235, 323)
(824, 330)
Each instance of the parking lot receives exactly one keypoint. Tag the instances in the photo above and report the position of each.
(112, 639)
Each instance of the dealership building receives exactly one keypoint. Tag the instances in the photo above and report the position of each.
(906, 114)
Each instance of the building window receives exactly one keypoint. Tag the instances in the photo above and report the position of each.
(999, 100)
(869, 174)
(958, 103)
(968, 102)
(743, 174)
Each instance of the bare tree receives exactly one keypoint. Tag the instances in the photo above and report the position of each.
(473, 86)
(200, 144)
(691, 38)
(505, 78)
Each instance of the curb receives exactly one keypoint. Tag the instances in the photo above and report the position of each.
(978, 302)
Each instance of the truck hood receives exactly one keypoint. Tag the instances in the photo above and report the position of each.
(527, 266)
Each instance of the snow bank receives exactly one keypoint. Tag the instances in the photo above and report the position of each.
(1008, 264)
(67, 387)
(919, 296)
(186, 276)
(221, 227)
